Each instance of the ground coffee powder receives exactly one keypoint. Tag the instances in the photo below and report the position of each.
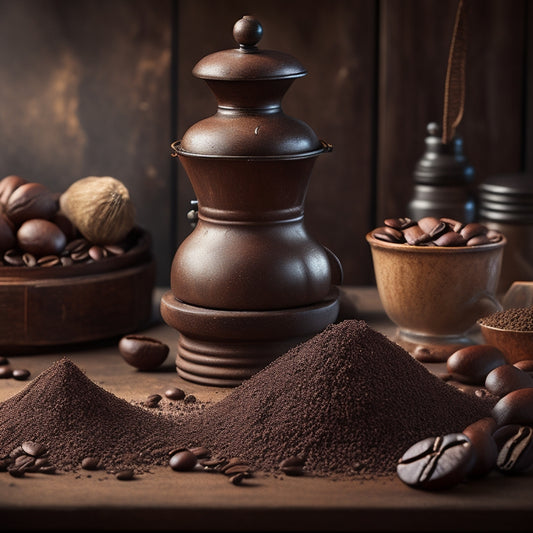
(349, 401)
(516, 319)
(74, 418)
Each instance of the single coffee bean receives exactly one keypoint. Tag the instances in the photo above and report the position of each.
(432, 226)
(3, 360)
(32, 448)
(399, 223)
(526, 365)
(486, 451)
(125, 475)
(48, 469)
(13, 257)
(213, 462)
(388, 235)
(5, 462)
(41, 237)
(175, 393)
(21, 374)
(415, 235)
(16, 471)
(236, 479)
(437, 463)
(293, 466)
(471, 364)
(454, 225)
(449, 238)
(236, 469)
(514, 408)
(31, 201)
(183, 461)
(48, 261)
(506, 378)
(6, 372)
(90, 463)
(478, 240)
(142, 352)
(8, 185)
(65, 260)
(15, 452)
(200, 452)
(153, 400)
(516, 449)
(25, 461)
(190, 398)
(41, 462)
(29, 260)
(473, 229)
(97, 253)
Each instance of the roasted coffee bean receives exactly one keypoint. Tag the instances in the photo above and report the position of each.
(389, 235)
(6, 372)
(399, 223)
(293, 466)
(237, 478)
(77, 246)
(183, 461)
(41, 237)
(514, 408)
(31, 201)
(65, 260)
(90, 463)
(200, 452)
(41, 462)
(13, 257)
(16, 471)
(473, 229)
(486, 451)
(449, 238)
(175, 393)
(8, 185)
(21, 374)
(478, 240)
(114, 249)
(515, 449)
(437, 463)
(5, 462)
(48, 261)
(494, 235)
(153, 400)
(142, 352)
(190, 398)
(432, 226)
(233, 461)
(213, 462)
(48, 469)
(29, 260)
(526, 365)
(415, 235)
(15, 452)
(32, 448)
(454, 225)
(471, 364)
(24, 461)
(3, 360)
(237, 469)
(97, 253)
(125, 475)
(506, 378)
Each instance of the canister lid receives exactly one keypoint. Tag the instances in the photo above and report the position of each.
(509, 185)
(248, 62)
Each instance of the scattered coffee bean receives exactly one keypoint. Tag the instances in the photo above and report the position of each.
(200, 452)
(437, 463)
(293, 466)
(142, 352)
(516, 449)
(90, 463)
(174, 393)
(506, 378)
(471, 364)
(21, 374)
(236, 479)
(514, 408)
(153, 400)
(183, 461)
(4, 361)
(125, 475)
(190, 398)
(32, 448)
(486, 451)
(526, 365)
(6, 372)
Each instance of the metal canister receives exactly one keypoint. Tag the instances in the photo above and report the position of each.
(443, 180)
(506, 204)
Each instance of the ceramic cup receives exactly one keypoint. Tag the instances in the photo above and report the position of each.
(435, 294)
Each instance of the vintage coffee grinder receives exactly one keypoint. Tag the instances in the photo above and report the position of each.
(249, 282)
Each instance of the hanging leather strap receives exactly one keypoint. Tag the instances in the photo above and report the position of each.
(454, 89)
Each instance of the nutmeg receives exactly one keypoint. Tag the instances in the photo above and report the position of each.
(100, 207)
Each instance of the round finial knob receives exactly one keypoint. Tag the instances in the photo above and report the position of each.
(247, 31)
(433, 129)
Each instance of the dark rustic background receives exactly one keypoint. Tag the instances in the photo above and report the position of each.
(102, 87)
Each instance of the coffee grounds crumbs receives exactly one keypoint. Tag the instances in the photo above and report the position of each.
(349, 402)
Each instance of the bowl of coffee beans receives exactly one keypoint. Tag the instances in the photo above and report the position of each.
(510, 330)
(435, 277)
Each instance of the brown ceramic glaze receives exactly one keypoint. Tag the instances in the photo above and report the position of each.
(435, 294)
(516, 345)
(249, 260)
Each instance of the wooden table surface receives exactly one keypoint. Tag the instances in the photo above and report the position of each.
(192, 501)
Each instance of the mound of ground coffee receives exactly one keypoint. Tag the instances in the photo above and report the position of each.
(349, 401)
(66, 412)
(516, 319)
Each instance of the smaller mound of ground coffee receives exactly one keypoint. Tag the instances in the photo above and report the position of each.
(73, 418)
(515, 319)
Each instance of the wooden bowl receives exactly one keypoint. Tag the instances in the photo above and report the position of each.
(41, 308)
(515, 345)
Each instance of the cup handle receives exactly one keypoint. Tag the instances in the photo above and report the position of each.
(485, 304)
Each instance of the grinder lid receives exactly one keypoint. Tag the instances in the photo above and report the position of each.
(248, 62)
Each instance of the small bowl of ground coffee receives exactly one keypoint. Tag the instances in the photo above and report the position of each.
(510, 330)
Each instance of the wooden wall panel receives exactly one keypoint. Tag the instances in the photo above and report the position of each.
(335, 42)
(85, 90)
